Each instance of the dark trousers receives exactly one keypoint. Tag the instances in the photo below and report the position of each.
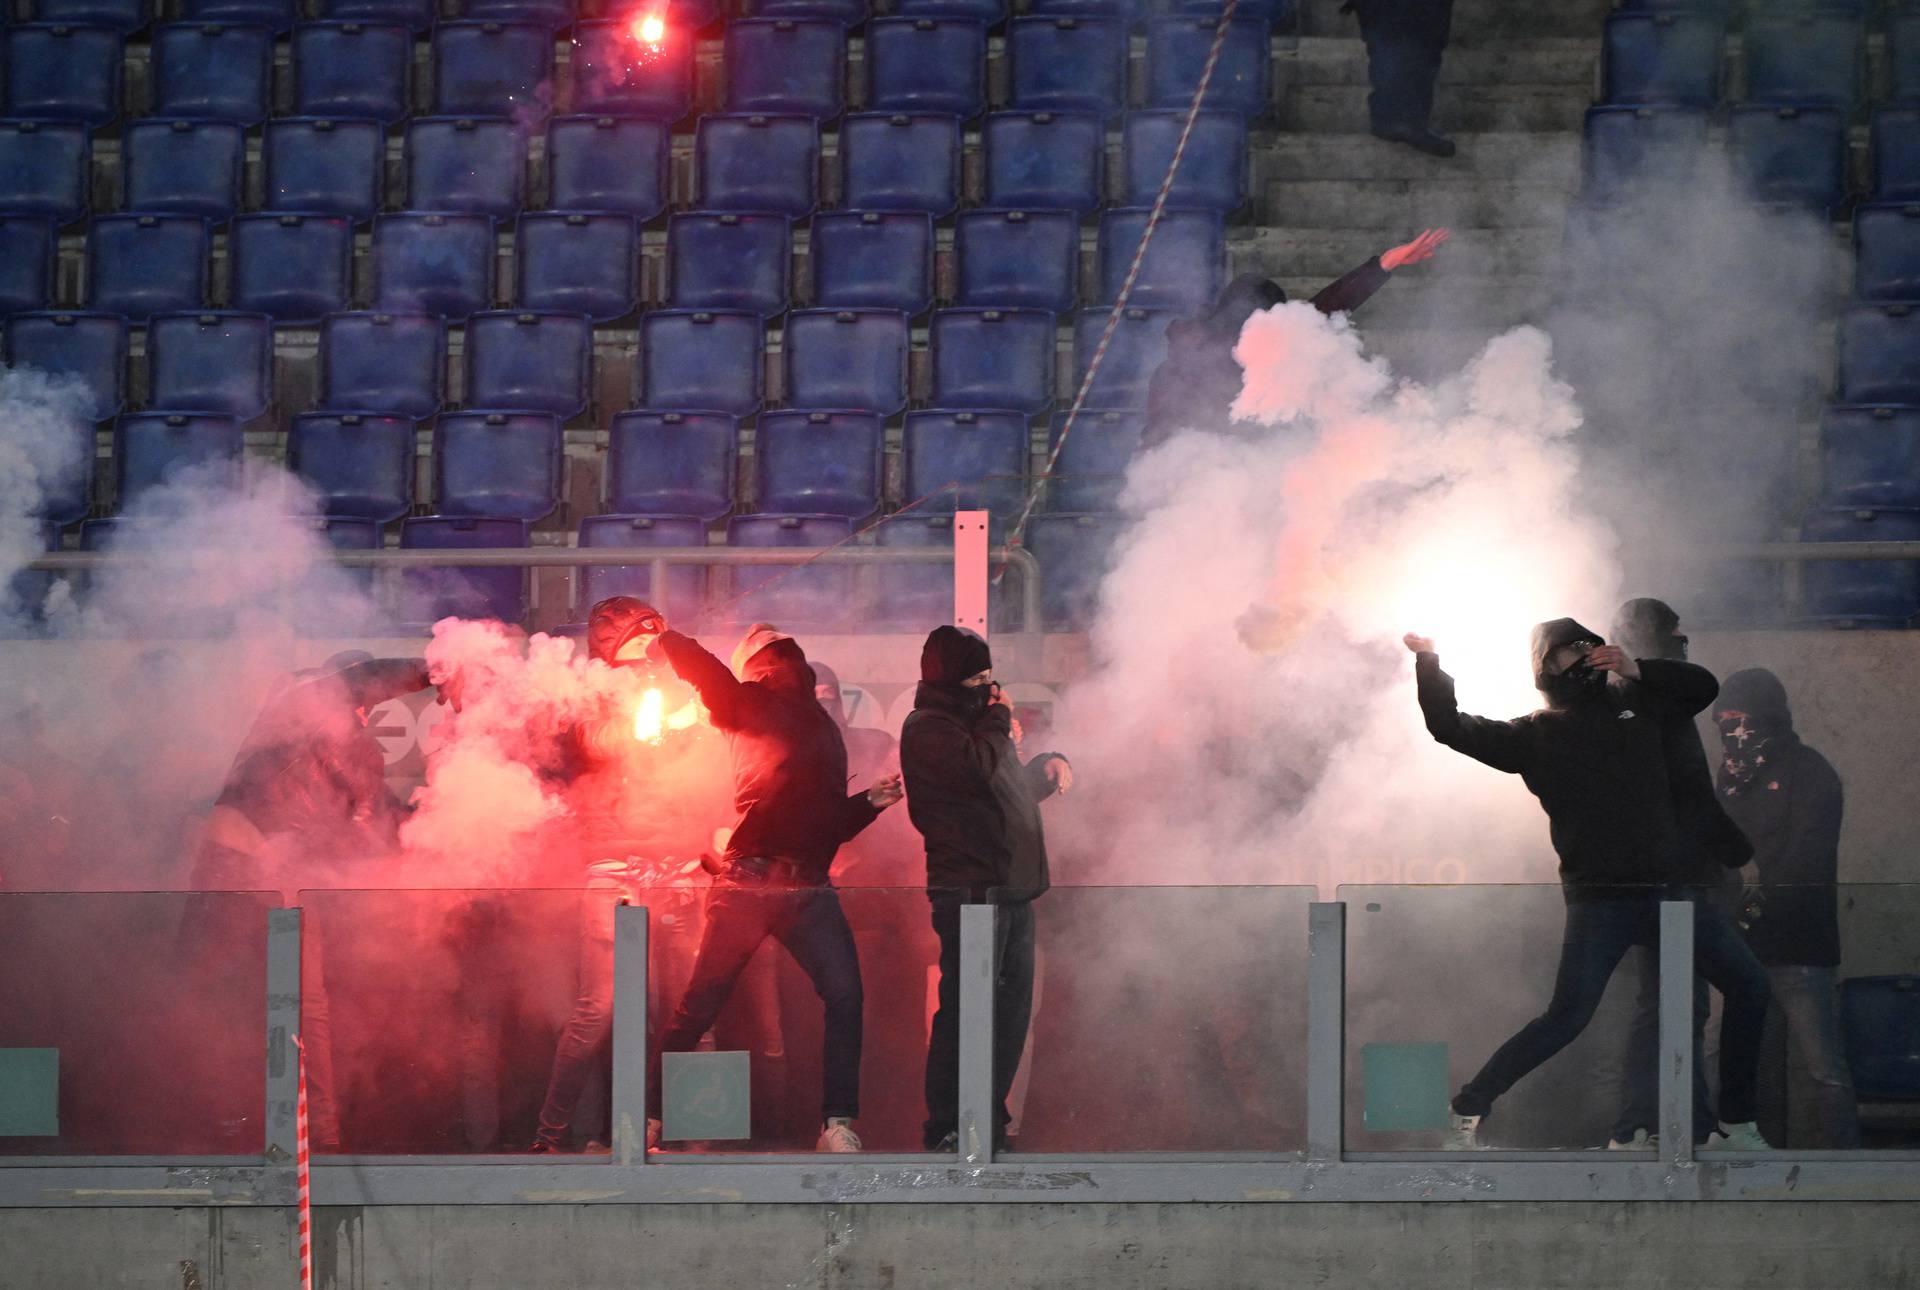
(1598, 935)
(1012, 1010)
(1639, 1061)
(809, 922)
(1405, 39)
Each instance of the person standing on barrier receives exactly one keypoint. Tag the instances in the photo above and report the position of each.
(790, 788)
(1405, 40)
(1597, 761)
(977, 806)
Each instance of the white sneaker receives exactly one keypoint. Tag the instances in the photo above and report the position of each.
(1464, 1135)
(653, 1135)
(838, 1137)
(1640, 1141)
(1738, 1137)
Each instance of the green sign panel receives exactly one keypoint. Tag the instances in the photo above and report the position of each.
(29, 1092)
(1405, 1087)
(706, 1096)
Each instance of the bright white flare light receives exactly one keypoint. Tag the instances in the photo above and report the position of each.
(649, 29)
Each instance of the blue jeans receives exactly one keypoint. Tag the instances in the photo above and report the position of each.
(1809, 998)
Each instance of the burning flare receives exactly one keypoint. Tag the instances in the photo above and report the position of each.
(649, 29)
(651, 720)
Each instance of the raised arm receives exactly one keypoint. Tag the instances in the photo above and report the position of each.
(1356, 286)
(1684, 688)
(719, 689)
(373, 682)
(1500, 744)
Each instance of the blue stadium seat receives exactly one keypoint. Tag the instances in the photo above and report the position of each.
(757, 163)
(122, 15)
(1808, 56)
(1092, 466)
(1896, 154)
(139, 265)
(1068, 64)
(1886, 252)
(815, 596)
(613, 75)
(1045, 160)
(1139, 344)
(907, 597)
(927, 65)
(24, 596)
(529, 361)
(708, 360)
(1632, 150)
(577, 262)
(729, 260)
(818, 462)
(846, 358)
(332, 601)
(671, 463)
(414, 15)
(1880, 354)
(67, 73)
(847, 13)
(392, 364)
(464, 164)
(431, 594)
(183, 167)
(293, 268)
(1880, 1016)
(993, 358)
(358, 465)
(541, 13)
(900, 162)
(211, 362)
(425, 262)
(608, 163)
(1017, 259)
(350, 69)
(1861, 592)
(68, 496)
(212, 72)
(1213, 172)
(275, 15)
(872, 260)
(786, 65)
(492, 69)
(1871, 456)
(497, 464)
(1903, 56)
(682, 599)
(1185, 264)
(27, 244)
(326, 166)
(1130, 12)
(1272, 12)
(1663, 58)
(965, 459)
(1790, 156)
(990, 12)
(1242, 81)
(153, 449)
(46, 168)
(90, 346)
(1073, 551)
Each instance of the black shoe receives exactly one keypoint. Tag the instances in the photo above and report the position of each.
(947, 1146)
(1426, 141)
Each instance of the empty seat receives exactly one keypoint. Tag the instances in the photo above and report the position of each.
(433, 263)
(357, 465)
(183, 167)
(497, 464)
(1017, 259)
(1790, 156)
(577, 262)
(814, 596)
(1880, 1016)
(818, 462)
(1092, 466)
(212, 72)
(786, 65)
(907, 597)
(1871, 456)
(1068, 64)
(993, 358)
(683, 597)
(900, 162)
(1632, 150)
(1272, 12)
(27, 244)
(1138, 345)
(608, 163)
(156, 449)
(1213, 170)
(1880, 354)
(46, 169)
(1663, 58)
(729, 260)
(1886, 252)
(332, 601)
(707, 360)
(541, 13)
(872, 260)
(927, 65)
(1045, 160)
(1177, 50)
(293, 268)
(846, 358)
(1896, 154)
(275, 15)
(492, 69)
(847, 13)
(529, 361)
(1127, 11)
(1863, 592)
(431, 594)
(384, 363)
(415, 15)
(1073, 551)
(1903, 56)
(66, 489)
(211, 362)
(351, 69)
(326, 166)
(1806, 57)
(757, 163)
(615, 75)
(90, 346)
(139, 265)
(990, 12)
(671, 463)
(71, 73)
(466, 164)
(965, 459)
(121, 15)
(1185, 263)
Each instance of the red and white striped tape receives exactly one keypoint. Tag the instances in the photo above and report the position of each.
(301, 1161)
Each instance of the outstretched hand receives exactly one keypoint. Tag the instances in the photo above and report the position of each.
(1611, 658)
(1418, 644)
(1421, 248)
(885, 792)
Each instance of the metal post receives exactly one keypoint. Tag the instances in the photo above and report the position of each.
(629, 1033)
(977, 925)
(970, 571)
(1676, 1031)
(283, 1022)
(1326, 1027)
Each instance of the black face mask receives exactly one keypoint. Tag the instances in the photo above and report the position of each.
(975, 699)
(1576, 682)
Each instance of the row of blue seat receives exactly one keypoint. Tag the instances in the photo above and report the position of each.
(1814, 56)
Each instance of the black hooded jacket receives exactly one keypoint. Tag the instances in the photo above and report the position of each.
(1596, 760)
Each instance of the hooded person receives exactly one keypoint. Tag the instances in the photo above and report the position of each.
(1595, 757)
(977, 807)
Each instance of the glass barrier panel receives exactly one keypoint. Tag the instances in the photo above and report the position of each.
(133, 1023)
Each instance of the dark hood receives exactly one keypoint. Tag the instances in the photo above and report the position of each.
(615, 621)
(826, 688)
(1758, 693)
(1645, 628)
(1550, 636)
(951, 655)
(782, 667)
(1244, 297)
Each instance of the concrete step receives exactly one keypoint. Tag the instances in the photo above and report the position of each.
(1571, 61)
(1325, 253)
(1457, 108)
(1474, 19)
(1532, 156)
(1416, 203)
